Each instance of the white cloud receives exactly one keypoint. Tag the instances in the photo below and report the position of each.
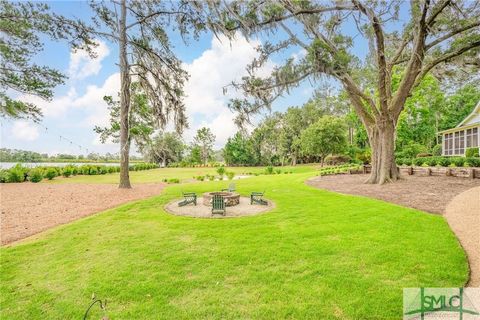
(218, 66)
(24, 130)
(82, 65)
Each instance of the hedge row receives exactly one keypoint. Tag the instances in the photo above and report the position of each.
(441, 161)
(339, 169)
(20, 173)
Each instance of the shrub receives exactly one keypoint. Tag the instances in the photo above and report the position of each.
(278, 171)
(3, 175)
(173, 180)
(102, 169)
(472, 162)
(67, 172)
(269, 170)
(93, 171)
(399, 161)
(418, 161)
(364, 156)
(337, 159)
(16, 174)
(459, 161)
(411, 150)
(444, 161)
(230, 175)
(200, 178)
(221, 171)
(51, 173)
(432, 161)
(35, 175)
(112, 169)
(472, 152)
(437, 150)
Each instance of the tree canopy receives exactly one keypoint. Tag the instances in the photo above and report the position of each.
(22, 25)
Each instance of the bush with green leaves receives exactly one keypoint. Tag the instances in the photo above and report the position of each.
(67, 172)
(459, 161)
(17, 173)
(221, 171)
(419, 161)
(230, 175)
(444, 161)
(269, 170)
(472, 162)
(472, 152)
(35, 175)
(437, 150)
(51, 173)
(173, 180)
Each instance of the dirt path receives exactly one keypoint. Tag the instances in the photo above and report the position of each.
(29, 208)
(431, 194)
(463, 216)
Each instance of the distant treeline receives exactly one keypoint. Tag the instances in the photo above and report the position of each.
(15, 155)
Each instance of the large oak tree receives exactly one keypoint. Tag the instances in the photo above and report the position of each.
(435, 32)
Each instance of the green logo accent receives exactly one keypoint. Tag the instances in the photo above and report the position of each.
(441, 303)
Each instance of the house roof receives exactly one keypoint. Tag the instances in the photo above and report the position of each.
(475, 111)
(464, 124)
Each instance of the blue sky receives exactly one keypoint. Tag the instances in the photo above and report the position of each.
(77, 106)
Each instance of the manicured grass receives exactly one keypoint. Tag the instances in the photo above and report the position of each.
(157, 175)
(317, 255)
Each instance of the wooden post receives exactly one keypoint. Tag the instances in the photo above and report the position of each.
(410, 171)
(448, 172)
(471, 173)
(429, 171)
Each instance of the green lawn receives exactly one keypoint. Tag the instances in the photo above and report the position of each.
(156, 175)
(318, 255)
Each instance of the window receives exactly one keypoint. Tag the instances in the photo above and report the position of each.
(459, 142)
(472, 138)
(448, 144)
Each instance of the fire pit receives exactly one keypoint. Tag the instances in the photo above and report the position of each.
(232, 198)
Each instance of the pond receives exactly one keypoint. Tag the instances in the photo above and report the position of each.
(7, 165)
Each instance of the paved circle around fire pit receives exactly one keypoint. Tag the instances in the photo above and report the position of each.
(202, 211)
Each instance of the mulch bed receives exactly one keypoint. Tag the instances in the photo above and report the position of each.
(29, 208)
(431, 194)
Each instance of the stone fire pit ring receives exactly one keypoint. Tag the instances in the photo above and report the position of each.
(231, 198)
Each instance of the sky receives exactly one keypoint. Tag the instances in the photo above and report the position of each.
(78, 106)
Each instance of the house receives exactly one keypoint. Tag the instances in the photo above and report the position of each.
(465, 135)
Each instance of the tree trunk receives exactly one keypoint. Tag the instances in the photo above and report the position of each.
(124, 101)
(294, 159)
(382, 141)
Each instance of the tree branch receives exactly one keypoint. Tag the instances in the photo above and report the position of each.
(451, 34)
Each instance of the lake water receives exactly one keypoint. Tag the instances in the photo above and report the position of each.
(7, 165)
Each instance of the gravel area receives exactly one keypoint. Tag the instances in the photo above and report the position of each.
(431, 194)
(202, 211)
(29, 208)
(463, 216)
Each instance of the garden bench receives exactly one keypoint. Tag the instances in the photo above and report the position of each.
(231, 188)
(188, 197)
(257, 197)
(218, 205)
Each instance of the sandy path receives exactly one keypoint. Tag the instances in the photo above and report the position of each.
(431, 194)
(463, 216)
(29, 208)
